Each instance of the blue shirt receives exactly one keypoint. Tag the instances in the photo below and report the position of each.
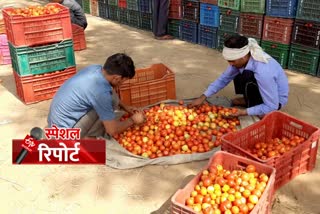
(86, 90)
(272, 82)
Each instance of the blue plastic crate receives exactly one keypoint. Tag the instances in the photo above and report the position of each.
(103, 9)
(208, 36)
(209, 15)
(189, 31)
(145, 6)
(282, 8)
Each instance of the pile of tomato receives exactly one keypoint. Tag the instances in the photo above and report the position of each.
(32, 11)
(222, 191)
(171, 130)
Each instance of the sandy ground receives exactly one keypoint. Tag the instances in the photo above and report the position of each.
(99, 189)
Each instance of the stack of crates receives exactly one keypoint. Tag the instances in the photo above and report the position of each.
(4, 47)
(278, 25)
(175, 16)
(113, 10)
(229, 20)
(145, 8)
(41, 50)
(304, 53)
(209, 24)
(103, 9)
(251, 18)
(190, 20)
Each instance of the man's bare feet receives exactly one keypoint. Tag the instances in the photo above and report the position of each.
(165, 37)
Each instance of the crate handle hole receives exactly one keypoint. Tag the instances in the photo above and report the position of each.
(242, 164)
(228, 12)
(298, 126)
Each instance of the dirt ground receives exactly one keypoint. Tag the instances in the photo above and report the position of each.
(99, 189)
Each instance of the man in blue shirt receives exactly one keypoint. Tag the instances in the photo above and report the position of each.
(257, 76)
(90, 90)
(76, 13)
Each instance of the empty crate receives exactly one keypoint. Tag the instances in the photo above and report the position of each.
(229, 20)
(281, 8)
(306, 33)
(251, 25)
(277, 29)
(208, 36)
(278, 51)
(209, 15)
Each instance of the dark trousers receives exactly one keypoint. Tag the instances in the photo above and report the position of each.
(246, 84)
(160, 17)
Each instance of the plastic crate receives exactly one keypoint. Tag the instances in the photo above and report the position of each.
(281, 8)
(277, 29)
(29, 31)
(253, 6)
(191, 10)
(42, 59)
(133, 5)
(94, 7)
(36, 88)
(2, 27)
(303, 59)
(79, 38)
(306, 33)
(134, 18)
(209, 15)
(80, 3)
(113, 12)
(146, 21)
(278, 124)
(4, 50)
(86, 6)
(229, 162)
(174, 28)
(231, 4)
(309, 10)
(113, 2)
(229, 20)
(148, 86)
(222, 36)
(123, 16)
(251, 25)
(278, 51)
(189, 31)
(122, 4)
(175, 9)
(214, 2)
(145, 6)
(208, 36)
(103, 10)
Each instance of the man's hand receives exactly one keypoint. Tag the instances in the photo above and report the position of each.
(240, 112)
(138, 118)
(197, 101)
(131, 110)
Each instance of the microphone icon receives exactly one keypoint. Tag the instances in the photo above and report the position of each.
(35, 133)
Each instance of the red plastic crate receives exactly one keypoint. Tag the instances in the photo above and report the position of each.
(36, 88)
(94, 7)
(214, 2)
(149, 85)
(175, 9)
(306, 33)
(2, 27)
(79, 38)
(277, 29)
(45, 29)
(251, 24)
(122, 3)
(229, 162)
(278, 124)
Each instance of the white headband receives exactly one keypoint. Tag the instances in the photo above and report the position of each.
(231, 54)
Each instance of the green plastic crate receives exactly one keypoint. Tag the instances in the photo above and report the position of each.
(174, 28)
(253, 6)
(278, 51)
(113, 2)
(123, 15)
(42, 59)
(231, 4)
(113, 13)
(308, 10)
(229, 20)
(146, 21)
(86, 6)
(132, 5)
(134, 18)
(303, 59)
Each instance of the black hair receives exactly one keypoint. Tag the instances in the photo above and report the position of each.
(120, 64)
(236, 41)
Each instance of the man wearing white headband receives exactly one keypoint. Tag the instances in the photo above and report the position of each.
(256, 75)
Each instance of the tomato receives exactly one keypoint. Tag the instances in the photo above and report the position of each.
(207, 182)
(250, 168)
